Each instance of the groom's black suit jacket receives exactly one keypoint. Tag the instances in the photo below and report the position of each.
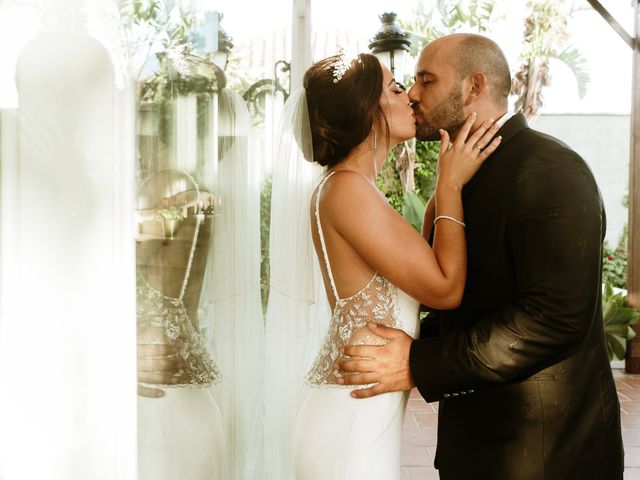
(521, 368)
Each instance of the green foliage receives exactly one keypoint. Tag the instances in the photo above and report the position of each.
(239, 79)
(618, 318)
(473, 14)
(265, 222)
(447, 17)
(426, 168)
(614, 260)
(546, 36)
(614, 265)
(411, 204)
(424, 27)
(413, 209)
(389, 183)
(572, 58)
(150, 24)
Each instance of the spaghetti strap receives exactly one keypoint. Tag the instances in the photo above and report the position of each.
(199, 217)
(320, 234)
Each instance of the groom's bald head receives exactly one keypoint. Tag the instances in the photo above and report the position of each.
(458, 74)
(471, 53)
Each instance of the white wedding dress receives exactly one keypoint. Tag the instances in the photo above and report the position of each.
(338, 437)
(180, 435)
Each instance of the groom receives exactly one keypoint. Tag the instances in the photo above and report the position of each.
(520, 368)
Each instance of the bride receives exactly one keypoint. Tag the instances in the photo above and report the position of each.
(180, 428)
(375, 266)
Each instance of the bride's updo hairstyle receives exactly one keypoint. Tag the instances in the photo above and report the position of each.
(343, 104)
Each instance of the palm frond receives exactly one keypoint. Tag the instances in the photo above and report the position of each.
(441, 6)
(572, 57)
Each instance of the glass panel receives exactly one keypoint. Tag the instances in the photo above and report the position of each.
(205, 118)
(67, 406)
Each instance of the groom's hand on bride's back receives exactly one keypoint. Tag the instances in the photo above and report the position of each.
(157, 364)
(386, 365)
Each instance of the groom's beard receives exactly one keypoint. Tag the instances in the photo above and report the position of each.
(447, 115)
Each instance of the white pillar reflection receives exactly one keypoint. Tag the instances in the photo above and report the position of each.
(185, 128)
(67, 312)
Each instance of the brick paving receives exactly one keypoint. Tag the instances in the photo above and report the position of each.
(419, 443)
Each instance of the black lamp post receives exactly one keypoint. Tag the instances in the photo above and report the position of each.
(391, 44)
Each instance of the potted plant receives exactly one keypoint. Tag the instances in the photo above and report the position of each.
(618, 318)
(169, 219)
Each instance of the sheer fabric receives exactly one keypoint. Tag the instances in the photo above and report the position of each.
(291, 328)
(233, 304)
(68, 303)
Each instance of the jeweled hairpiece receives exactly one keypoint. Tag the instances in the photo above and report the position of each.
(342, 65)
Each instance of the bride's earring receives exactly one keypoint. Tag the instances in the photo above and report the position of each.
(375, 146)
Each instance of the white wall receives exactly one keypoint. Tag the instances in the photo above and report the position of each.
(603, 141)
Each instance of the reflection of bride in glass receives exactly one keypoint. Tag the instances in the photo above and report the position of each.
(181, 433)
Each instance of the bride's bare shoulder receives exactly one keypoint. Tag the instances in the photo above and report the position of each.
(347, 184)
(347, 193)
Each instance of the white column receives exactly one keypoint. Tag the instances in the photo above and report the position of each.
(301, 42)
(67, 316)
(185, 127)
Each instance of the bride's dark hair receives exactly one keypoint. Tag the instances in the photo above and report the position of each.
(342, 113)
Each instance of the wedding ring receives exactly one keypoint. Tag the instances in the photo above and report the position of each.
(478, 147)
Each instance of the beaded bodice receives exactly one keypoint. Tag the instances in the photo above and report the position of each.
(164, 319)
(160, 316)
(377, 301)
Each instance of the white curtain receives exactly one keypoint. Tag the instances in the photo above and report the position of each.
(67, 306)
(235, 308)
(291, 331)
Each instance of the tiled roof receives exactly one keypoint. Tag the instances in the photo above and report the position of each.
(259, 55)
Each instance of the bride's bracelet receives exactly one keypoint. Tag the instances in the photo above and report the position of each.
(447, 217)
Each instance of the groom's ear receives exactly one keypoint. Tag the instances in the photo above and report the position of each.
(476, 87)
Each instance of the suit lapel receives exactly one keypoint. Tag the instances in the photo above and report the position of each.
(513, 126)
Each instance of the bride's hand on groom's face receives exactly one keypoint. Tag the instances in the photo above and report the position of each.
(461, 159)
(387, 365)
(157, 364)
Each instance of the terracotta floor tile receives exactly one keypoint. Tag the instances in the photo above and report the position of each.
(426, 419)
(420, 436)
(630, 421)
(410, 419)
(632, 456)
(630, 394)
(419, 406)
(631, 437)
(423, 473)
(416, 456)
(631, 407)
(632, 474)
(622, 396)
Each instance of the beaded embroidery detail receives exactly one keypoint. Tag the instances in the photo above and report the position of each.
(159, 314)
(377, 301)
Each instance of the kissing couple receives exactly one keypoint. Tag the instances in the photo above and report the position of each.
(508, 264)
